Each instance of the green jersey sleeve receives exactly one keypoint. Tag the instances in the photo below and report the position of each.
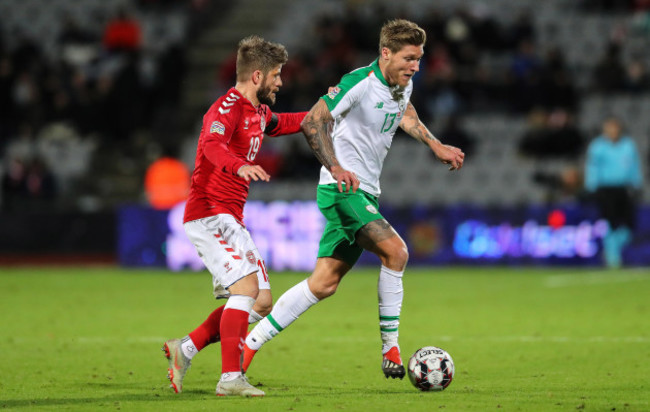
(348, 92)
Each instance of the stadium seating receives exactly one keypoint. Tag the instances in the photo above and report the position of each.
(496, 174)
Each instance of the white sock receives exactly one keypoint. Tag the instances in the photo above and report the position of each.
(253, 317)
(240, 302)
(188, 348)
(390, 293)
(293, 303)
(230, 376)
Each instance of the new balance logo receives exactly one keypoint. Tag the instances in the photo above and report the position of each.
(379, 105)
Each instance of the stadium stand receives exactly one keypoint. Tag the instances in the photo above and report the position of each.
(480, 57)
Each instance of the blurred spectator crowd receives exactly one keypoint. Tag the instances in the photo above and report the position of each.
(104, 90)
(473, 63)
(101, 91)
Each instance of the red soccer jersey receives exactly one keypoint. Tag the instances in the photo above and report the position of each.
(231, 136)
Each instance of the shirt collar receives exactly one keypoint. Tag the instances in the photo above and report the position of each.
(378, 73)
(396, 90)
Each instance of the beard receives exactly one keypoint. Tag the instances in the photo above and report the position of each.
(265, 96)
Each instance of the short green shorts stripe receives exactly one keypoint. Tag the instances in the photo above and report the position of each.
(345, 214)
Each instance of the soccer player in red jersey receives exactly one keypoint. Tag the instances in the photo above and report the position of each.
(232, 133)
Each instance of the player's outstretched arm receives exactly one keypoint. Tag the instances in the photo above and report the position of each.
(447, 154)
(317, 127)
(282, 124)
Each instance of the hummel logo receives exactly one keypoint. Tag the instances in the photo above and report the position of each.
(379, 105)
(223, 111)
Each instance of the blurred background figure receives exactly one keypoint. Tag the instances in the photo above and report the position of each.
(122, 33)
(166, 182)
(613, 175)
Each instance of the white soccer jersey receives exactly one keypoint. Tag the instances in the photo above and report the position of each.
(366, 114)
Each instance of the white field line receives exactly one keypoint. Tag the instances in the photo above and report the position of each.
(159, 340)
(551, 339)
(133, 339)
(506, 339)
(595, 278)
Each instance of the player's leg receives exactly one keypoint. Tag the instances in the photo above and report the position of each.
(208, 331)
(264, 301)
(234, 324)
(294, 302)
(262, 307)
(180, 352)
(227, 251)
(380, 238)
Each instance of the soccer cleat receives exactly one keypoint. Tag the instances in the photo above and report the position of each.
(238, 387)
(246, 357)
(178, 364)
(392, 364)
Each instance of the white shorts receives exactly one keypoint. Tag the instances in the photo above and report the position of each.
(227, 250)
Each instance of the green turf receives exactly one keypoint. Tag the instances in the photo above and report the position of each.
(522, 339)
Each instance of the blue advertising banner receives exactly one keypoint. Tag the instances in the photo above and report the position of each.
(287, 235)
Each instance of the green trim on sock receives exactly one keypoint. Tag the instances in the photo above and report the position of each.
(275, 324)
(389, 318)
(388, 330)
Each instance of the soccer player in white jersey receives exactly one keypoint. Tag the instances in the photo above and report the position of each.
(365, 110)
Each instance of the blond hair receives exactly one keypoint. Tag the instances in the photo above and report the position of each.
(398, 33)
(255, 53)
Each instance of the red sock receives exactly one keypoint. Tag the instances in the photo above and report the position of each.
(234, 324)
(208, 331)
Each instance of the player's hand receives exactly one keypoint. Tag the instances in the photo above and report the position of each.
(449, 155)
(253, 172)
(343, 176)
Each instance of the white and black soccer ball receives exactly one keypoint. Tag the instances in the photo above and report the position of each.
(431, 369)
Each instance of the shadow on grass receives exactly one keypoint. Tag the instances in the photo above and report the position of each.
(193, 395)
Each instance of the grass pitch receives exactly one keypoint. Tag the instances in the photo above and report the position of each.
(522, 339)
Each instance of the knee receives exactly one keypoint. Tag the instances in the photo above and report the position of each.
(263, 305)
(247, 286)
(323, 289)
(397, 258)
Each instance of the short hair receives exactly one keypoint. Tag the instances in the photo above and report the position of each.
(255, 53)
(398, 33)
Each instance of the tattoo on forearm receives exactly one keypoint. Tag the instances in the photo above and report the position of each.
(412, 125)
(317, 130)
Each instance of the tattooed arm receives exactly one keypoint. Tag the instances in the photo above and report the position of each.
(317, 128)
(447, 154)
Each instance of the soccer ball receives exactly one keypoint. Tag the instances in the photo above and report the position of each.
(431, 369)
